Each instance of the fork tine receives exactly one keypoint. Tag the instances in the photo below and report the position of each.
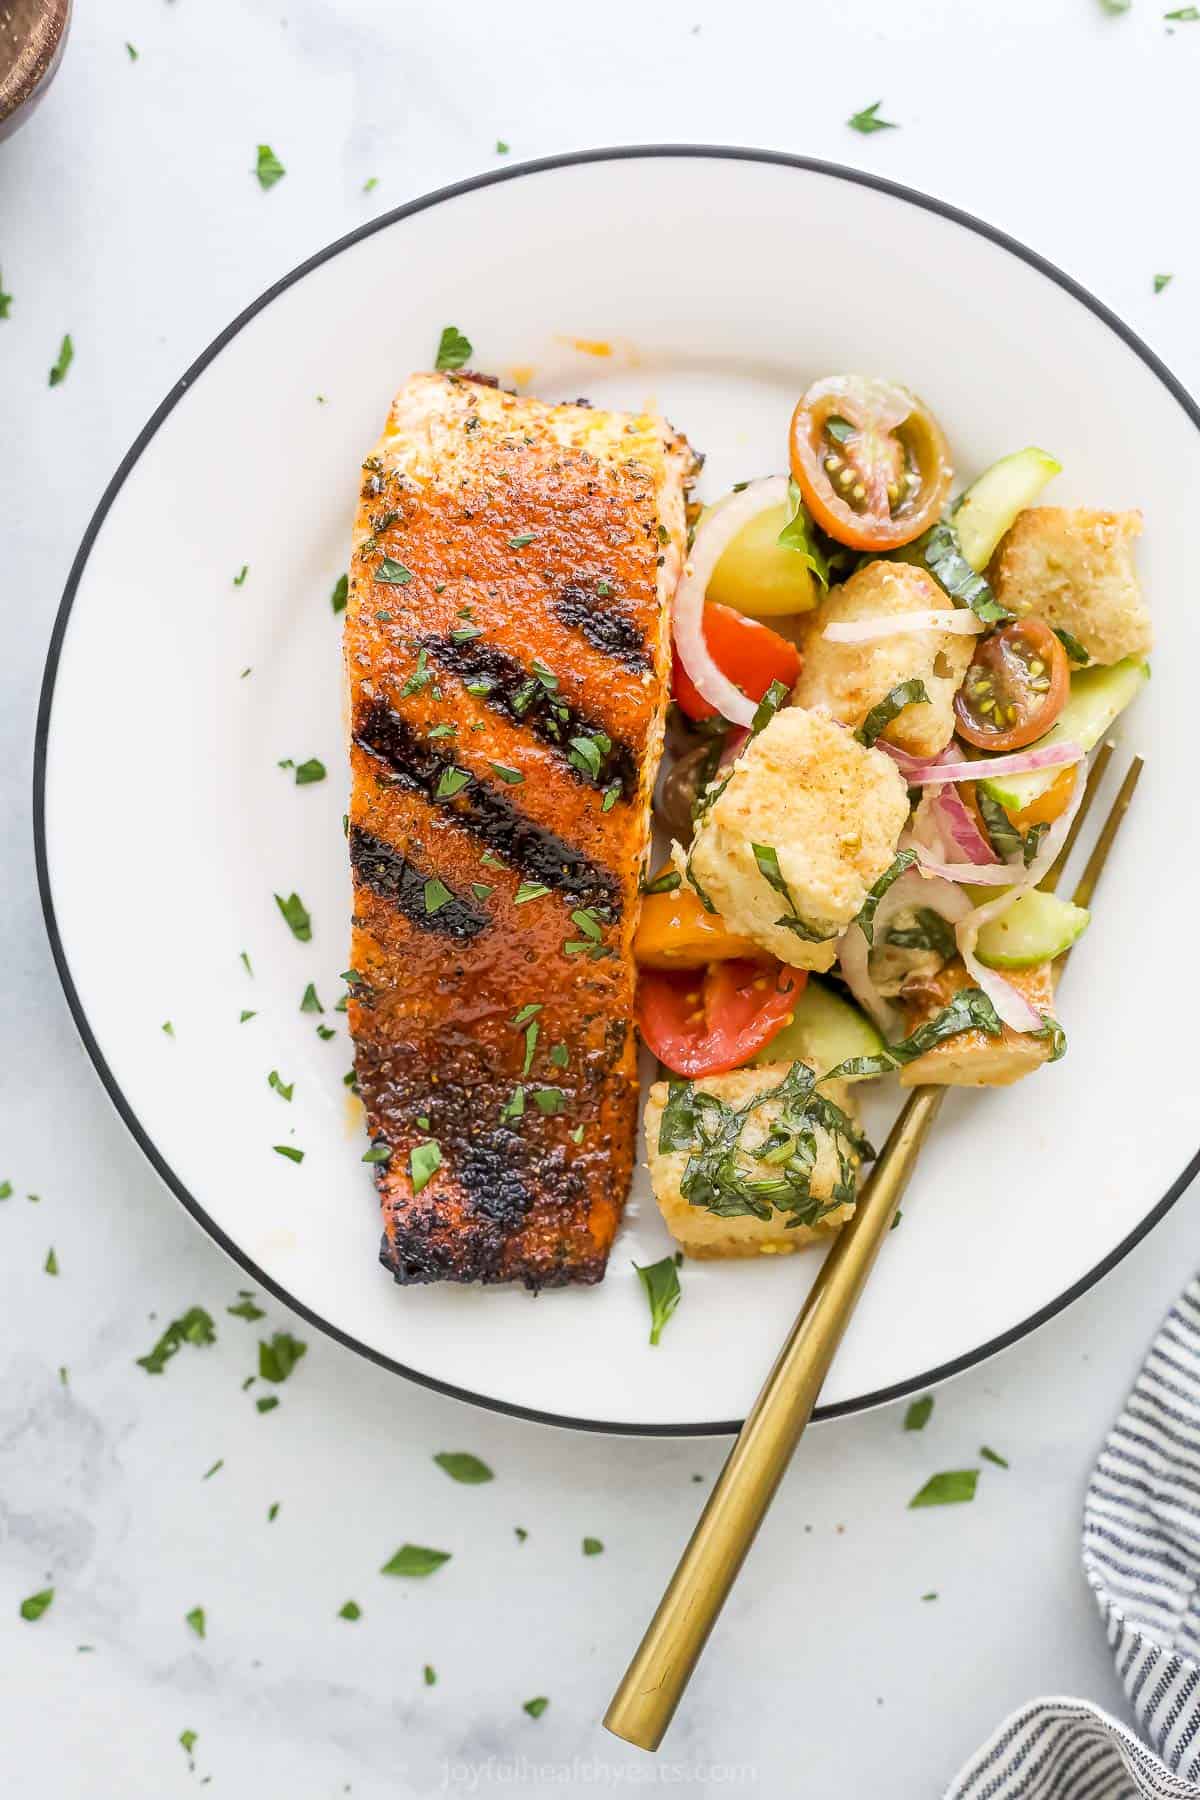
(1095, 777)
(1108, 834)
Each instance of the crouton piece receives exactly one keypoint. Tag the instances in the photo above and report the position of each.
(829, 809)
(701, 1233)
(973, 1058)
(849, 679)
(1074, 569)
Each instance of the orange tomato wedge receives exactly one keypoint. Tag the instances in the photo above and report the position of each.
(675, 932)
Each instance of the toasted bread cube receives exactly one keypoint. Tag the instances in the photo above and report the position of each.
(1074, 568)
(701, 1233)
(849, 679)
(832, 812)
(973, 1058)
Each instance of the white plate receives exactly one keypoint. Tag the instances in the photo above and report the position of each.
(723, 282)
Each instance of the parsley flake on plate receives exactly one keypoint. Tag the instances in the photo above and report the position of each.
(208, 1473)
(460, 1465)
(661, 1283)
(290, 1151)
(188, 1740)
(6, 1188)
(272, 1512)
(949, 1488)
(296, 916)
(196, 1620)
(535, 1708)
(268, 167)
(917, 1416)
(267, 1404)
(277, 1359)
(351, 1610)
(194, 1327)
(131, 52)
(868, 120)
(309, 1001)
(240, 577)
(453, 351)
(592, 1546)
(285, 1089)
(66, 356)
(244, 1308)
(310, 771)
(1160, 282)
(340, 594)
(993, 1456)
(370, 184)
(33, 1608)
(5, 303)
(430, 1675)
(51, 1263)
(501, 147)
(244, 1015)
(415, 1560)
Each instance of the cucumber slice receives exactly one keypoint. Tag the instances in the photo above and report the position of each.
(989, 506)
(1096, 697)
(825, 1030)
(1035, 929)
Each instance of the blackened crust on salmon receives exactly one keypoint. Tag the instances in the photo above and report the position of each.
(525, 698)
(538, 854)
(393, 878)
(604, 627)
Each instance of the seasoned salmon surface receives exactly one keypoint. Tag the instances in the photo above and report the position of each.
(508, 659)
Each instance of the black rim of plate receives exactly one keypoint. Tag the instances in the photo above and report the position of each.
(621, 153)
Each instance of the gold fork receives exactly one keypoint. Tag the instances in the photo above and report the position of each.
(644, 1703)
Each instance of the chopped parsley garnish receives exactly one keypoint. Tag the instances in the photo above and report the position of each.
(267, 1404)
(465, 634)
(378, 1153)
(420, 677)
(268, 167)
(444, 731)
(460, 1465)
(277, 1359)
(511, 776)
(548, 1100)
(868, 120)
(481, 889)
(587, 753)
(351, 1610)
(592, 1546)
(5, 303)
(1160, 282)
(340, 594)
(1185, 14)
(501, 147)
(196, 1620)
(33, 1608)
(285, 1089)
(370, 184)
(393, 573)
(905, 693)
(245, 960)
(531, 1038)
(208, 1473)
(454, 350)
(536, 1707)
(296, 916)
(514, 1106)
(415, 1560)
(520, 1533)
(290, 1151)
(437, 895)
(519, 542)
(529, 890)
(424, 1160)
(451, 781)
(993, 1456)
(917, 1416)
(245, 1307)
(66, 356)
(576, 1136)
(272, 1512)
(188, 1740)
(241, 575)
(560, 1056)
(951, 1488)
(603, 589)
(309, 1001)
(310, 771)
(195, 1327)
(611, 795)
(430, 1675)
(6, 1188)
(660, 1281)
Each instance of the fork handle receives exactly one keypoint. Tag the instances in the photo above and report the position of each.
(644, 1703)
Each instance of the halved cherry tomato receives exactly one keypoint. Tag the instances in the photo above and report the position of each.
(675, 931)
(871, 461)
(750, 654)
(705, 1024)
(1015, 688)
(1047, 807)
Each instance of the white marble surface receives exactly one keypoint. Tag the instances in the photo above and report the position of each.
(128, 217)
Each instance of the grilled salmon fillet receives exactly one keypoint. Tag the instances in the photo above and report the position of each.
(508, 658)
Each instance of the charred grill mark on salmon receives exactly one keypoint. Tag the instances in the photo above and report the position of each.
(604, 627)
(530, 698)
(510, 1046)
(536, 854)
(394, 878)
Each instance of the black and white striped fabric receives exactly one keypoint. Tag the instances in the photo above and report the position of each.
(1141, 1554)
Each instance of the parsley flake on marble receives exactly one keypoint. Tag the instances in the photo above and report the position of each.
(194, 1327)
(415, 1560)
(949, 1488)
(32, 1609)
(66, 356)
(917, 1416)
(460, 1465)
(290, 1151)
(197, 1621)
(268, 167)
(296, 916)
(277, 1359)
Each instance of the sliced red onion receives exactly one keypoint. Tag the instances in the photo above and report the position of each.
(959, 620)
(713, 537)
(913, 889)
(1021, 762)
(989, 874)
(959, 824)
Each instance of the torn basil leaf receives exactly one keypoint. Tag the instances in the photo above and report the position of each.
(767, 859)
(799, 535)
(942, 554)
(460, 1465)
(949, 1488)
(415, 1560)
(1072, 645)
(905, 693)
(917, 1416)
(865, 919)
(928, 931)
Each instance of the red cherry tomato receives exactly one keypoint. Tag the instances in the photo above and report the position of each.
(871, 461)
(703, 1023)
(1015, 687)
(750, 654)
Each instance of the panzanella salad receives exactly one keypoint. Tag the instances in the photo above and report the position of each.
(884, 702)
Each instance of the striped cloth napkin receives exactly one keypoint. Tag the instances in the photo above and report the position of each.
(1141, 1554)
